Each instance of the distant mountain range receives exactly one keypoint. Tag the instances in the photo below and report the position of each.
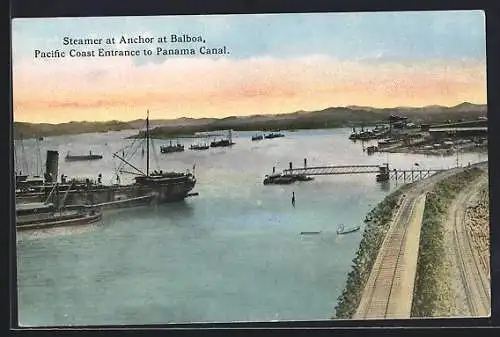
(326, 118)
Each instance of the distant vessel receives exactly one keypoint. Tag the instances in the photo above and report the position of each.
(89, 156)
(172, 148)
(223, 142)
(380, 131)
(257, 137)
(274, 135)
(342, 230)
(310, 233)
(199, 147)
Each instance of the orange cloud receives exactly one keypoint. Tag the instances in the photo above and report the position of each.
(115, 88)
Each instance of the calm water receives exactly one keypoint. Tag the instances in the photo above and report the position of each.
(233, 253)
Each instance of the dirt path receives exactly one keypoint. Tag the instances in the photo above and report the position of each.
(468, 278)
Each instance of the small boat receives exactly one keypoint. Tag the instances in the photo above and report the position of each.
(46, 215)
(278, 179)
(199, 147)
(285, 179)
(89, 156)
(310, 233)
(342, 230)
(257, 137)
(172, 148)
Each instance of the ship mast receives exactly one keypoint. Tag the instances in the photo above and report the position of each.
(147, 144)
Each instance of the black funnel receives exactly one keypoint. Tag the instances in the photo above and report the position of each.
(51, 166)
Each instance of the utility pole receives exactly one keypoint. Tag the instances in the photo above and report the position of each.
(457, 155)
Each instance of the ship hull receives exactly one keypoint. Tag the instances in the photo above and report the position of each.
(83, 158)
(59, 221)
(114, 196)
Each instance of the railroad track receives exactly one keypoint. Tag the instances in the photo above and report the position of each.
(385, 289)
(388, 272)
(475, 283)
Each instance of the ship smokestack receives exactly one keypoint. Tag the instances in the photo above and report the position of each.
(51, 166)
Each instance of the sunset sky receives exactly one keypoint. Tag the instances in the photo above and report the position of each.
(277, 64)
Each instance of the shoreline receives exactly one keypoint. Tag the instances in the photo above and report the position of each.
(430, 289)
(437, 152)
(378, 222)
(329, 118)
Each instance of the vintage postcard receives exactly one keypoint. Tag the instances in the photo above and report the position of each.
(264, 167)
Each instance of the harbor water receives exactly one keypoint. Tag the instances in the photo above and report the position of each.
(233, 253)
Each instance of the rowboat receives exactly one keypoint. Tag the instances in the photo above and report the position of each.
(343, 230)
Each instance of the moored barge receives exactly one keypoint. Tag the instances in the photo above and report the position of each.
(47, 215)
(89, 156)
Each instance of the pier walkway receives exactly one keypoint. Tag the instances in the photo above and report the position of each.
(405, 175)
(328, 170)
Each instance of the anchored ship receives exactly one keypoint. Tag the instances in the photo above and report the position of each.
(274, 135)
(172, 148)
(223, 142)
(199, 147)
(89, 156)
(148, 187)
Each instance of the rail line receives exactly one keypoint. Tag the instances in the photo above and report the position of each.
(392, 276)
(387, 264)
(476, 289)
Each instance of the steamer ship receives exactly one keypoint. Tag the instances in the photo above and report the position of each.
(149, 187)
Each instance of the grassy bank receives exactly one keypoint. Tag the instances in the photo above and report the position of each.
(377, 224)
(431, 285)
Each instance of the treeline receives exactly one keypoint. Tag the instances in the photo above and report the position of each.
(29, 130)
(324, 119)
(172, 131)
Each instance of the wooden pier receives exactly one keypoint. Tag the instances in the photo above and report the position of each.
(329, 170)
(412, 175)
(383, 172)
